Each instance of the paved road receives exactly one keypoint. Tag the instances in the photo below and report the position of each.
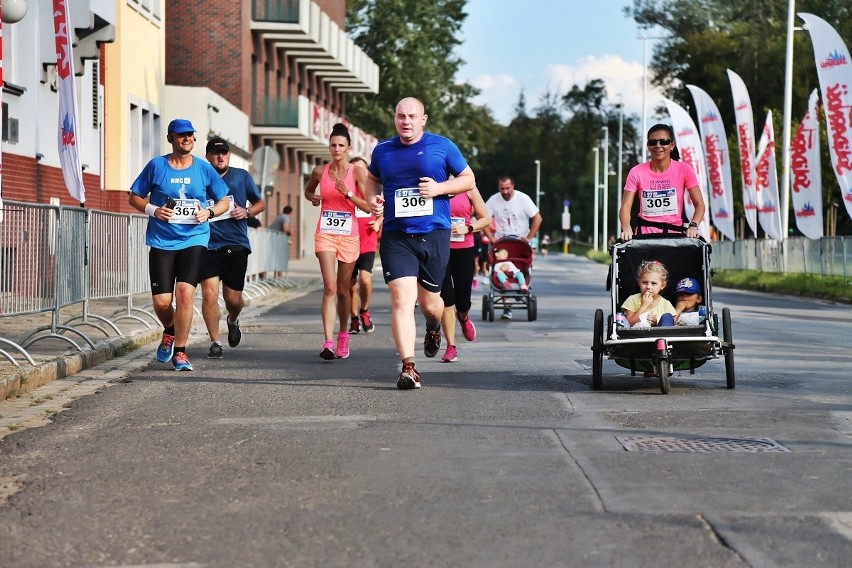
(274, 457)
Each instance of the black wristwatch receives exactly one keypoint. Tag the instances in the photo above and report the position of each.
(470, 229)
(692, 224)
(212, 213)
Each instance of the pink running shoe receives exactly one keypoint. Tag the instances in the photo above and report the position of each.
(327, 352)
(450, 356)
(342, 351)
(468, 329)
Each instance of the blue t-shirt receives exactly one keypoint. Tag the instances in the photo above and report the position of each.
(161, 181)
(399, 166)
(232, 231)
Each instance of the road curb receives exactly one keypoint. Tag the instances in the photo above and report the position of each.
(26, 378)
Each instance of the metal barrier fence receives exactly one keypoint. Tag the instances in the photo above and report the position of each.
(829, 256)
(52, 257)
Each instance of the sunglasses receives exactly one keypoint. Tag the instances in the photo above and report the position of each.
(660, 141)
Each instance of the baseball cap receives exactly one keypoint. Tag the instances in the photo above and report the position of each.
(181, 125)
(217, 144)
(688, 286)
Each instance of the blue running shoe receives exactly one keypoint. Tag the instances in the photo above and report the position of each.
(166, 348)
(181, 362)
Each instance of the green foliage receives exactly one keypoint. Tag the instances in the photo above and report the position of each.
(834, 288)
(702, 39)
(414, 44)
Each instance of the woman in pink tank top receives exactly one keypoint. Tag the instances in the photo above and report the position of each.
(341, 190)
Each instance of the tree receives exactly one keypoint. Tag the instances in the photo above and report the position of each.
(414, 44)
(704, 38)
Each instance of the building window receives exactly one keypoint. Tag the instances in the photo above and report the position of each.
(144, 135)
(96, 115)
(148, 8)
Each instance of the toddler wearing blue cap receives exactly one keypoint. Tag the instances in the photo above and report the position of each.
(687, 302)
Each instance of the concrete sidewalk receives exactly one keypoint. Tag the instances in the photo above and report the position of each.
(57, 359)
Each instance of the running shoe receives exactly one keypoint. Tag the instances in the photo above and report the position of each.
(450, 355)
(507, 314)
(432, 343)
(166, 348)
(327, 352)
(342, 351)
(468, 329)
(367, 321)
(234, 333)
(215, 351)
(355, 325)
(181, 362)
(408, 377)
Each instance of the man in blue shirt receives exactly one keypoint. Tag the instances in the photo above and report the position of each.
(418, 171)
(229, 248)
(173, 190)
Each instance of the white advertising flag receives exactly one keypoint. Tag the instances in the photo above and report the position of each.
(805, 173)
(834, 69)
(689, 145)
(69, 151)
(766, 184)
(718, 162)
(745, 138)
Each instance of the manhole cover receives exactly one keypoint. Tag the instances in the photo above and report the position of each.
(699, 445)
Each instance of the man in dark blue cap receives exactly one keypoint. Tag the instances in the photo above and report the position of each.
(229, 248)
(173, 190)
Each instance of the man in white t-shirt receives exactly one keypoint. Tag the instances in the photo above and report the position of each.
(513, 214)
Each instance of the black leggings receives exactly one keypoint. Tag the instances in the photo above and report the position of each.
(456, 289)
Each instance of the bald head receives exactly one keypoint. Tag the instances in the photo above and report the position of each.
(410, 118)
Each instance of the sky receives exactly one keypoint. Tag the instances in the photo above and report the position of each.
(541, 45)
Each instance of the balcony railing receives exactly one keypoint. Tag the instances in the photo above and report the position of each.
(275, 111)
(282, 11)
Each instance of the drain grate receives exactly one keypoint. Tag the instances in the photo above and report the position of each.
(699, 445)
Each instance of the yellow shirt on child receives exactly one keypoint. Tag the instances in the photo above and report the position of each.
(659, 307)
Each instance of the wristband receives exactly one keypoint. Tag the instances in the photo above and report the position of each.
(470, 229)
(150, 209)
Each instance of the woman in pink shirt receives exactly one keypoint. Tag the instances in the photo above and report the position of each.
(661, 184)
(336, 243)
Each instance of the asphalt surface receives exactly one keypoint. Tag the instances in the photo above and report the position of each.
(273, 457)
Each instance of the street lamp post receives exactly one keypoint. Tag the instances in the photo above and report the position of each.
(620, 160)
(596, 150)
(785, 139)
(538, 184)
(605, 184)
(645, 90)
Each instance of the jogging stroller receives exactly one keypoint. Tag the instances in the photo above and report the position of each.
(661, 350)
(508, 295)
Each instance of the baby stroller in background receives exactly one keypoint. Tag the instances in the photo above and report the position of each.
(509, 295)
(661, 349)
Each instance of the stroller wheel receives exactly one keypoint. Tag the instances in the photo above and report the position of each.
(532, 309)
(597, 351)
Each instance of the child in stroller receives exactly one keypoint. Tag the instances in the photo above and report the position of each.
(511, 261)
(506, 269)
